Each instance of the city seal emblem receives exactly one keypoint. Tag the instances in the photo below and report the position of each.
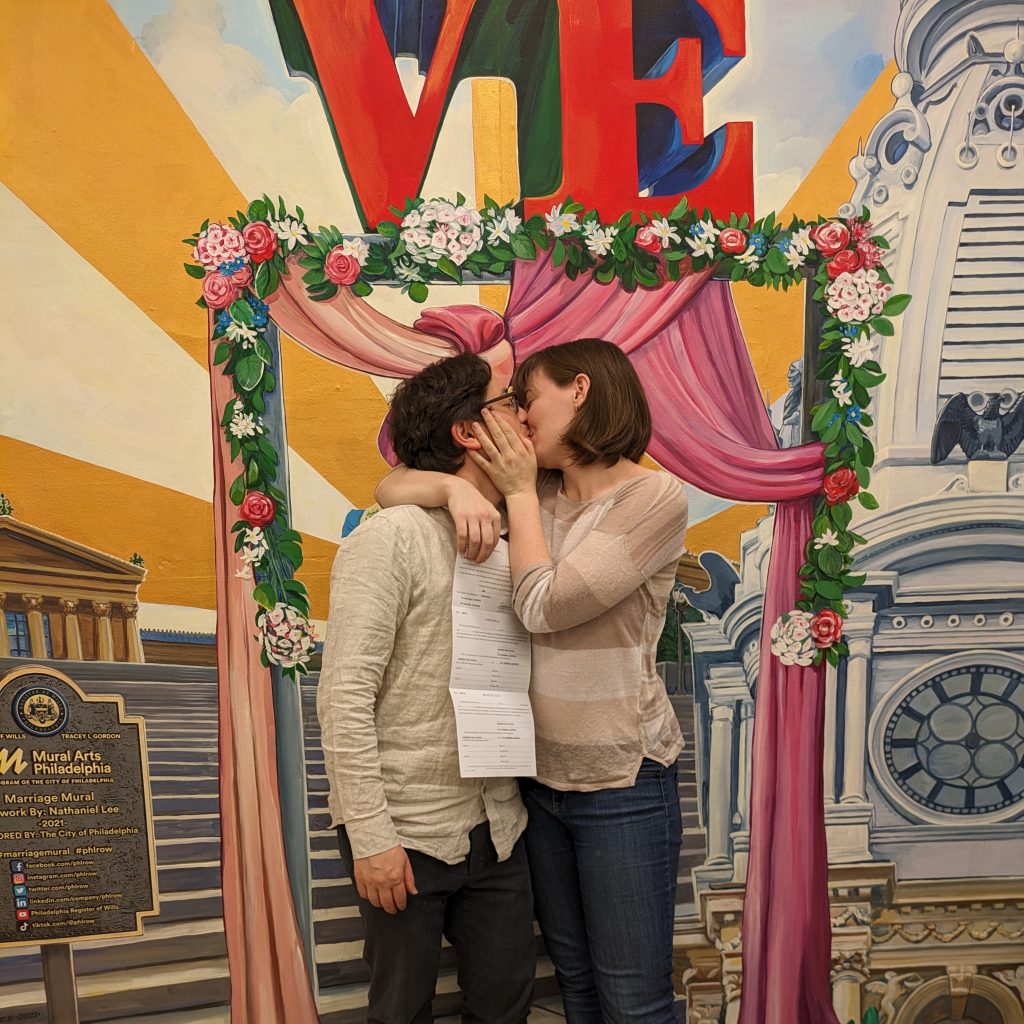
(40, 711)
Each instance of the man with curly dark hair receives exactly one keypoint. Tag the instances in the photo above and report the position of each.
(432, 854)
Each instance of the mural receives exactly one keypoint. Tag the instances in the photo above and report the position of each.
(640, 152)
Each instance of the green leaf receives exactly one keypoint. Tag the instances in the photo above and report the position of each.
(558, 253)
(249, 371)
(193, 271)
(262, 349)
(896, 305)
(262, 280)
(258, 210)
(290, 550)
(830, 561)
(868, 500)
(269, 381)
(252, 473)
(679, 209)
(853, 581)
(387, 229)
(841, 515)
(882, 326)
(241, 311)
(222, 353)
(775, 262)
(829, 589)
(265, 596)
(824, 413)
(237, 491)
(523, 247)
(362, 288)
(445, 265)
(418, 291)
(294, 586)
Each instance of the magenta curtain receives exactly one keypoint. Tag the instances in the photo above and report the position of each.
(711, 429)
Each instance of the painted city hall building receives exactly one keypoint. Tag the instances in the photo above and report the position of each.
(924, 749)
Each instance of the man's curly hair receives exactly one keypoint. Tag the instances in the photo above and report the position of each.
(424, 409)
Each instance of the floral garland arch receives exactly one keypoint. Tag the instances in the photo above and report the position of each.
(241, 263)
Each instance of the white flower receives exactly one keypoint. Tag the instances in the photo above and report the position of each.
(791, 639)
(445, 213)
(244, 425)
(856, 297)
(439, 240)
(858, 350)
(466, 217)
(801, 241)
(428, 211)
(407, 272)
(241, 333)
(288, 638)
(749, 258)
(560, 223)
(707, 229)
(457, 255)
(794, 257)
(841, 389)
(503, 226)
(701, 246)
(599, 239)
(828, 539)
(357, 249)
(411, 219)
(664, 230)
(290, 231)
(245, 573)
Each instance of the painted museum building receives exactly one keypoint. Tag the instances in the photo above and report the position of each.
(64, 601)
(924, 731)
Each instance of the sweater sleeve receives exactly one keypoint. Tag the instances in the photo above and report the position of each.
(640, 532)
(370, 590)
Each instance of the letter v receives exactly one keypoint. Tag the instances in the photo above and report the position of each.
(385, 147)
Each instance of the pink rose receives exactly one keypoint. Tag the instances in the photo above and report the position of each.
(257, 509)
(830, 237)
(341, 268)
(260, 241)
(218, 244)
(826, 627)
(732, 241)
(844, 261)
(243, 277)
(647, 240)
(219, 291)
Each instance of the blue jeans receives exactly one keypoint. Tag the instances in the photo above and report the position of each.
(604, 868)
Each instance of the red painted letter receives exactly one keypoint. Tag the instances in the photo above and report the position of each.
(386, 148)
(599, 101)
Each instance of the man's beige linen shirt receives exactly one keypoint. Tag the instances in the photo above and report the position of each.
(386, 718)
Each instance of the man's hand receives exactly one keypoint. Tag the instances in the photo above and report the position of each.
(385, 879)
(477, 521)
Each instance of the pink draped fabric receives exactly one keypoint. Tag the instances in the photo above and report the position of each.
(269, 981)
(711, 429)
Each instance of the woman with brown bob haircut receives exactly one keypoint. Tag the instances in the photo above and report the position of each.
(594, 542)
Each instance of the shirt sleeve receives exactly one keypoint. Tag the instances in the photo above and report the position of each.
(370, 589)
(640, 532)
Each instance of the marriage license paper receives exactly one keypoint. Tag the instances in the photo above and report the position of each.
(490, 679)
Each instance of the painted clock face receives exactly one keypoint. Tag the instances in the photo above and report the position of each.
(955, 743)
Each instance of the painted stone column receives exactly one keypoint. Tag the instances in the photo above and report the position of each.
(720, 784)
(36, 637)
(849, 973)
(105, 635)
(5, 643)
(133, 636)
(72, 630)
(746, 739)
(858, 635)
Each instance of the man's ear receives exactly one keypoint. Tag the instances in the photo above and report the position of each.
(462, 435)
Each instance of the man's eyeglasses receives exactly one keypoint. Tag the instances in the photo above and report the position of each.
(506, 399)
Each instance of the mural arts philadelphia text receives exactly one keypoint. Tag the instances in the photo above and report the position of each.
(572, 64)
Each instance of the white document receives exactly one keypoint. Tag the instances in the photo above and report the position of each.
(490, 679)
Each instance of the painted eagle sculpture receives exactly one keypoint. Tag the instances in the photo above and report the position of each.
(986, 426)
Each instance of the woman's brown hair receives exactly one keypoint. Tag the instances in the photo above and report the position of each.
(614, 422)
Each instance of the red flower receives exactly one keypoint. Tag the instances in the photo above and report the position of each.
(260, 241)
(840, 485)
(826, 627)
(219, 291)
(243, 277)
(830, 237)
(647, 240)
(341, 268)
(257, 509)
(871, 252)
(847, 260)
(732, 241)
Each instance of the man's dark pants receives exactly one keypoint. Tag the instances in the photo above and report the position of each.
(483, 908)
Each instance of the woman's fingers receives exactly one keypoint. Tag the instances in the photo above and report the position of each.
(505, 436)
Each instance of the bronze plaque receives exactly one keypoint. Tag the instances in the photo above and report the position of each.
(77, 859)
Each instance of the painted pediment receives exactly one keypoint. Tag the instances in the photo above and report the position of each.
(25, 546)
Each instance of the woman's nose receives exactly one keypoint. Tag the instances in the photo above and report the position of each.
(521, 414)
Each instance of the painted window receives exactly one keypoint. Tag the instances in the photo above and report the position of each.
(17, 633)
